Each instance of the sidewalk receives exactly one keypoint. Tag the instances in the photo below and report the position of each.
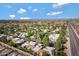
(68, 50)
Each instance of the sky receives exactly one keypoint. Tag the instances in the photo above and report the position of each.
(20, 11)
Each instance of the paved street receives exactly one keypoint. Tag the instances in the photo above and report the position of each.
(74, 41)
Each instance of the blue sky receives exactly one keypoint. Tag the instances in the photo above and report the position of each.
(39, 10)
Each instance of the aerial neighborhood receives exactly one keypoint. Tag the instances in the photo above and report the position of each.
(37, 39)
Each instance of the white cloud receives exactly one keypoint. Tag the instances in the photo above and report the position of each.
(12, 16)
(25, 18)
(21, 11)
(29, 7)
(55, 13)
(34, 10)
(8, 6)
(58, 5)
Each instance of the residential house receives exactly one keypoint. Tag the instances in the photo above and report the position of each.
(53, 37)
(18, 40)
(37, 47)
(49, 49)
(29, 45)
